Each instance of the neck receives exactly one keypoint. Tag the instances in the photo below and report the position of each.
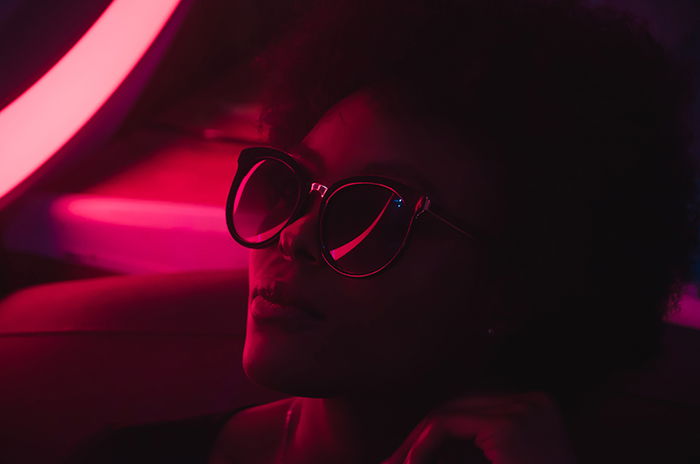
(343, 431)
(357, 429)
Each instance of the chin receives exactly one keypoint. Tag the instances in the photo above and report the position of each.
(281, 371)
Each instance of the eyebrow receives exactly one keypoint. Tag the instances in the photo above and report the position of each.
(308, 154)
(398, 171)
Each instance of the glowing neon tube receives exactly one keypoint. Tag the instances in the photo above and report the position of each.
(46, 116)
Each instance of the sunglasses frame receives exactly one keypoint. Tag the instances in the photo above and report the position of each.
(418, 201)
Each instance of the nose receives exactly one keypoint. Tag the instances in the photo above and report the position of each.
(300, 239)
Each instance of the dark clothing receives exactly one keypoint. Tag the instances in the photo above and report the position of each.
(185, 441)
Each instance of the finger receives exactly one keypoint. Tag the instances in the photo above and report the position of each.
(520, 404)
(489, 408)
(487, 401)
(495, 410)
(399, 456)
(523, 407)
(460, 419)
(500, 437)
(449, 439)
(424, 447)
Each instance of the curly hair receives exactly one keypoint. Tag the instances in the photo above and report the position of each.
(586, 113)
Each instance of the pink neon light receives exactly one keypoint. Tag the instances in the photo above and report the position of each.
(341, 251)
(41, 120)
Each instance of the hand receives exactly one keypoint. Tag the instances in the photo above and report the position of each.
(499, 429)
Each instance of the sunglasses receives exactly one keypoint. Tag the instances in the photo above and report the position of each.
(364, 221)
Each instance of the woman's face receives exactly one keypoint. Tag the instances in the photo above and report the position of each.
(423, 317)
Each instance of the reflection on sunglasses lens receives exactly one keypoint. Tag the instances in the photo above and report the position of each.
(364, 226)
(265, 200)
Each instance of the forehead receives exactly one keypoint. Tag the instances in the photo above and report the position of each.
(357, 137)
(353, 134)
(329, 172)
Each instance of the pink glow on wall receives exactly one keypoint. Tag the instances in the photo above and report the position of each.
(45, 117)
(141, 213)
(124, 235)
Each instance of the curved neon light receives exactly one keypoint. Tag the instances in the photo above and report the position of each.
(46, 116)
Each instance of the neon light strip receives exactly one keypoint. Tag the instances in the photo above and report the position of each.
(45, 117)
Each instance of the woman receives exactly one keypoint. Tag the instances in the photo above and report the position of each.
(376, 354)
(550, 135)
(520, 227)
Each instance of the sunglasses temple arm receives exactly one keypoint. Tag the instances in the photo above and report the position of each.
(427, 209)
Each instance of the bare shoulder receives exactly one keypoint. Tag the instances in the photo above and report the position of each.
(251, 436)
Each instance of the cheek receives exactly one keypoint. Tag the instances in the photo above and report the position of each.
(261, 263)
(253, 265)
(388, 327)
(439, 265)
(414, 309)
(256, 259)
(437, 292)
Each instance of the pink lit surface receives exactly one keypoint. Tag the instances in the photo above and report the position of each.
(126, 235)
(168, 167)
(688, 314)
(41, 120)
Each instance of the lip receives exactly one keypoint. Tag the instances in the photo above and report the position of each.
(288, 317)
(281, 294)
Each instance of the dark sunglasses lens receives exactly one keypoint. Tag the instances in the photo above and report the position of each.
(265, 201)
(364, 226)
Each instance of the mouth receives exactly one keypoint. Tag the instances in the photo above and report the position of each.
(287, 318)
(280, 297)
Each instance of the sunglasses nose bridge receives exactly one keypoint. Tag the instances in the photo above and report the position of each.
(308, 202)
(320, 188)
